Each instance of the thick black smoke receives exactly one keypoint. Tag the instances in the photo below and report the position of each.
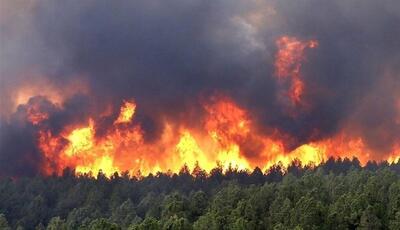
(167, 54)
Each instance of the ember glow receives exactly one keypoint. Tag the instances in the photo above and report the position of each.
(237, 84)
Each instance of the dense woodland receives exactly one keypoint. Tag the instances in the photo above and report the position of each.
(338, 194)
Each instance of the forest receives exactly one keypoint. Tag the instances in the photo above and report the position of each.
(337, 194)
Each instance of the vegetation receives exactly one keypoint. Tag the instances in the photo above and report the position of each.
(338, 194)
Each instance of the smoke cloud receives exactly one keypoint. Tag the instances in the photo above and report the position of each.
(170, 56)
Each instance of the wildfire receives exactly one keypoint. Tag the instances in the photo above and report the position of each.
(228, 139)
(103, 164)
(189, 151)
(226, 135)
(126, 113)
(80, 140)
(288, 61)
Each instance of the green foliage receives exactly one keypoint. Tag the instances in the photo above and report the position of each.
(150, 223)
(369, 220)
(205, 222)
(174, 205)
(125, 214)
(103, 224)
(177, 223)
(198, 203)
(4, 223)
(56, 223)
(335, 195)
(40, 227)
(81, 217)
(395, 222)
(308, 213)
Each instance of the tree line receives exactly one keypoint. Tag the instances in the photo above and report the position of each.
(338, 194)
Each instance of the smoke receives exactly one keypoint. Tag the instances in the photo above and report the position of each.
(168, 56)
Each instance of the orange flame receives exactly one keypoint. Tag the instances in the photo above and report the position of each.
(288, 61)
(228, 138)
(126, 113)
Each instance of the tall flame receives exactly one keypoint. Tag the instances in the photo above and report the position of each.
(228, 139)
(288, 61)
